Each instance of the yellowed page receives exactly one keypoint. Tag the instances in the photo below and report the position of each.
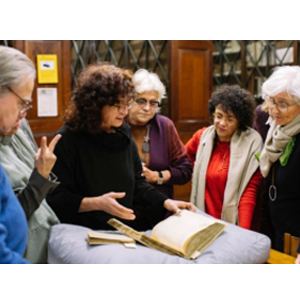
(143, 238)
(108, 238)
(177, 229)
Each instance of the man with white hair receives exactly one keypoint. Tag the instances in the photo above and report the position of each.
(13, 225)
(18, 160)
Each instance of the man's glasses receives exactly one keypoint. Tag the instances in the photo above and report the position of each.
(25, 103)
(143, 102)
(122, 107)
(283, 107)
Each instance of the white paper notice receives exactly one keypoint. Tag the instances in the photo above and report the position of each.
(47, 102)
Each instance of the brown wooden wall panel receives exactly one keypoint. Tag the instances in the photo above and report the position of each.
(190, 85)
(48, 125)
(190, 89)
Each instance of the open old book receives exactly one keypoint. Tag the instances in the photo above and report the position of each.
(186, 234)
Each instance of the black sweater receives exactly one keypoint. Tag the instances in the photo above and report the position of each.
(93, 165)
(285, 210)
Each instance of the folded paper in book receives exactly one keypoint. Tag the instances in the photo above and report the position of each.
(101, 238)
(186, 234)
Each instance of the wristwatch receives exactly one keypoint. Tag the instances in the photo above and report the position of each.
(160, 178)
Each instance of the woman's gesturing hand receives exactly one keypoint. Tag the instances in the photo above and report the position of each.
(176, 205)
(108, 204)
(45, 159)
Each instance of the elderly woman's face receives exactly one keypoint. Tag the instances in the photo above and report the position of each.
(143, 108)
(283, 108)
(113, 116)
(225, 123)
(11, 107)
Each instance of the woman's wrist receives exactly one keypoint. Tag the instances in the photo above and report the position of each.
(163, 177)
(90, 204)
(166, 175)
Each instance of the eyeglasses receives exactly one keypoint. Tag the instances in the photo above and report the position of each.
(143, 102)
(228, 120)
(122, 107)
(283, 107)
(25, 102)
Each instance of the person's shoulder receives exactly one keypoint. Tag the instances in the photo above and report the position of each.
(258, 108)
(63, 130)
(4, 183)
(162, 119)
(252, 134)
(125, 129)
(67, 135)
(199, 132)
(260, 113)
(195, 139)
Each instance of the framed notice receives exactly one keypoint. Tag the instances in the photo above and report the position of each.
(47, 68)
(47, 102)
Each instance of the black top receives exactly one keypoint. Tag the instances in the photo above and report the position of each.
(285, 210)
(93, 165)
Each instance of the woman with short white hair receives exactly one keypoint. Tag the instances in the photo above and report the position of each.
(280, 157)
(164, 158)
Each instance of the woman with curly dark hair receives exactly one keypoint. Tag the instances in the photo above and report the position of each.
(226, 177)
(98, 164)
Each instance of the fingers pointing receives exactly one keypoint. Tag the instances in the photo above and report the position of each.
(54, 142)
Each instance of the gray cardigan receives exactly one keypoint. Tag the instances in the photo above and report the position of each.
(17, 158)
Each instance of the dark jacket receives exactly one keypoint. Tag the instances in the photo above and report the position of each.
(285, 210)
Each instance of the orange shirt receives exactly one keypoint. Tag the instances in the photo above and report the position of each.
(216, 178)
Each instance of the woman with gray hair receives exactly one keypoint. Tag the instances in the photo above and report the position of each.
(28, 168)
(280, 157)
(164, 158)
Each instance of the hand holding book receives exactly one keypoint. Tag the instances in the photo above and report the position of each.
(175, 205)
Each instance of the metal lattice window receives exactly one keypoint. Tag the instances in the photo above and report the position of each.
(227, 62)
(249, 63)
(134, 55)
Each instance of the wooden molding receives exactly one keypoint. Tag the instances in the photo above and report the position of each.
(49, 125)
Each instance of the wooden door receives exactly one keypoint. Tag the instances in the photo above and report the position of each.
(47, 126)
(190, 89)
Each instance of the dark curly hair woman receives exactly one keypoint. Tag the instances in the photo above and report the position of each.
(226, 178)
(97, 161)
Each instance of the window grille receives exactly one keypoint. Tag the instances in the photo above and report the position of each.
(134, 55)
(249, 63)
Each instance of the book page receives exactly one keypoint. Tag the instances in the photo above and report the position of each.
(177, 229)
(106, 237)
